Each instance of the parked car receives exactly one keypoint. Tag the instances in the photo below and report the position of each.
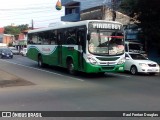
(14, 50)
(24, 51)
(137, 63)
(5, 53)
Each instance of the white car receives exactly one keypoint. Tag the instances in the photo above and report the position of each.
(24, 51)
(137, 63)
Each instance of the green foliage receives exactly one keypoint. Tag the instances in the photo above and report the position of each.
(129, 6)
(12, 30)
(23, 27)
(147, 12)
(15, 30)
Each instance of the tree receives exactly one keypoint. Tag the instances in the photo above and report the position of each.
(23, 27)
(11, 30)
(15, 30)
(147, 13)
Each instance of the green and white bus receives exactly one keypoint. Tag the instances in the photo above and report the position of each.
(91, 46)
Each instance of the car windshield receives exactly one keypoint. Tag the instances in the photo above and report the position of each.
(5, 50)
(137, 57)
(106, 43)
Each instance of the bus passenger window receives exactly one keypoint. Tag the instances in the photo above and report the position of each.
(71, 37)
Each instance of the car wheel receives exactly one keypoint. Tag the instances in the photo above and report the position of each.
(133, 70)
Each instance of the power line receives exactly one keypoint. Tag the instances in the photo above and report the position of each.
(30, 17)
(29, 8)
(8, 17)
(30, 13)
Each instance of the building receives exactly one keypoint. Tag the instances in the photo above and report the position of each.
(6, 39)
(21, 40)
(76, 10)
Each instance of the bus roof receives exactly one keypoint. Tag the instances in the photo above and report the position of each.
(69, 24)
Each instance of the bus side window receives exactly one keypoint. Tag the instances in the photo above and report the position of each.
(53, 38)
(71, 36)
(29, 41)
(80, 38)
(59, 38)
(33, 39)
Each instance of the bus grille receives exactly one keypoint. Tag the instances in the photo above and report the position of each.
(108, 68)
(107, 59)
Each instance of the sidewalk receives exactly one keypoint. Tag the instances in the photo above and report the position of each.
(9, 80)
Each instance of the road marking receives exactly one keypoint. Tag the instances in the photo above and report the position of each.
(43, 70)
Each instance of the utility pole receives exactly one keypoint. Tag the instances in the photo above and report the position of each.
(32, 25)
(113, 10)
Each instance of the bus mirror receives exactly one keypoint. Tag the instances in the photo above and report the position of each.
(88, 37)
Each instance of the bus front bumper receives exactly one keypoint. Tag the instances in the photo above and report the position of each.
(105, 68)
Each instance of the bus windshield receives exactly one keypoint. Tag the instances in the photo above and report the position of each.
(106, 42)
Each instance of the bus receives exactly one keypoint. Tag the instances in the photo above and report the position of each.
(90, 46)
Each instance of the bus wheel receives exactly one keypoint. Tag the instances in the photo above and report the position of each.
(70, 67)
(40, 61)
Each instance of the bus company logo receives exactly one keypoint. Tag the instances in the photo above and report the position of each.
(46, 49)
(6, 114)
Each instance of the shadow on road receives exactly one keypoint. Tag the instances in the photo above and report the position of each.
(10, 80)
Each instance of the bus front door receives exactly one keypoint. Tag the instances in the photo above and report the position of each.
(81, 49)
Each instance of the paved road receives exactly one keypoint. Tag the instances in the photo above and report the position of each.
(55, 90)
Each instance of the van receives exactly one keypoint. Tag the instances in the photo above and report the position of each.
(135, 47)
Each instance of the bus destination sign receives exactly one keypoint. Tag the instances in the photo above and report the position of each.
(107, 26)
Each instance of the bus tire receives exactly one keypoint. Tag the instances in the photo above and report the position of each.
(40, 61)
(70, 67)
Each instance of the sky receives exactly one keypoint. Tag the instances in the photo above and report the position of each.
(18, 12)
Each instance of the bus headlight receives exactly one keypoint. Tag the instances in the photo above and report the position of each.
(92, 60)
(121, 61)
